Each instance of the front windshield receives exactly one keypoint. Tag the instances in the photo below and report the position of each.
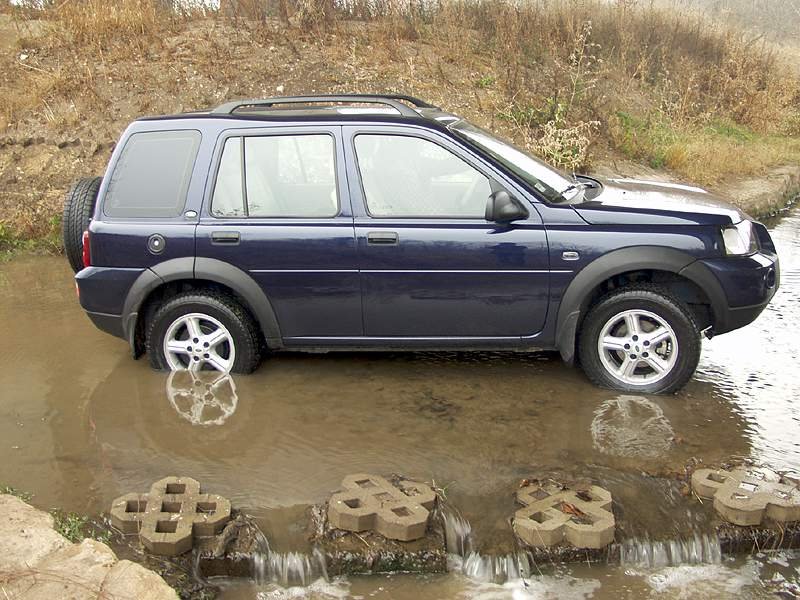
(547, 180)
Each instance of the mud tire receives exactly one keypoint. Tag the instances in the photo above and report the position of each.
(78, 210)
(242, 327)
(656, 300)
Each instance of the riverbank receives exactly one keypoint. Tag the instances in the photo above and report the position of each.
(686, 106)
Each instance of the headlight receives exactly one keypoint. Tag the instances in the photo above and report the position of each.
(740, 239)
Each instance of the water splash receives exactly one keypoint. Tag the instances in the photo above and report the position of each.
(287, 569)
(457, 532)
(474, 565)
(496, 569)
(699, 549)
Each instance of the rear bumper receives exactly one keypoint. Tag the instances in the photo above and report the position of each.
(739, 287)
(102, 292)
(109, 323)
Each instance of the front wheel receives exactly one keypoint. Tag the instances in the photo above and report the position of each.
(203, 331)
(639, 339)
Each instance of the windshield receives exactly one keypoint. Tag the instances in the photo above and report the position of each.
(554, 185)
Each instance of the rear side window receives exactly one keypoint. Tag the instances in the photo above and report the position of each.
(284, 176)
(152, 175)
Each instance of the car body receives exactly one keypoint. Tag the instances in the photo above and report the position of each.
(356, 270)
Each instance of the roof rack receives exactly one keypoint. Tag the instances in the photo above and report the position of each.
(393, 100)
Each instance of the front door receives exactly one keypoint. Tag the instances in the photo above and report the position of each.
(280, 210)
(431, 265)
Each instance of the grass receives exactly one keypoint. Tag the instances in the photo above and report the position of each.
(7, 489)
(702, 153)
(76, 527)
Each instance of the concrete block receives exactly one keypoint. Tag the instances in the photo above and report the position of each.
(552, 515)
(746, 496)
(171, 515)
(372, 503)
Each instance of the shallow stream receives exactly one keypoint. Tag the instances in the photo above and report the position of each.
(82, 423)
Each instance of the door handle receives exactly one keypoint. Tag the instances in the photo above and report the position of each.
(382, 238)
(225, 237)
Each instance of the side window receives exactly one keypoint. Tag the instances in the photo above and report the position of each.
(412, 177)
(284, 176)
(151, 177)
(228, 198)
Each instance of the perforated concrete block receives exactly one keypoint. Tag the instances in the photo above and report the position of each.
(552, 515)
(370, 502)
(171, 515)
(746, 496)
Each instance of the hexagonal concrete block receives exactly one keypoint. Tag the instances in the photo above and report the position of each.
(553, 515)
(370, 502)
(171, 515)
(746, 496)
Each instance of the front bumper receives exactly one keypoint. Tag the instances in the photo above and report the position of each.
(739, 287)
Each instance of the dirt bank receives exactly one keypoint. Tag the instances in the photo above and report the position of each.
(65, 103)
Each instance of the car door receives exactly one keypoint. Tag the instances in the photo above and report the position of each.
(279, 210)
(431, 265)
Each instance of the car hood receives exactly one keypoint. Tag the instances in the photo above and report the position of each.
(635, 201)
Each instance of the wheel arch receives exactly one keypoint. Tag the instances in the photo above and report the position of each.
(172, 276)
(692, 280)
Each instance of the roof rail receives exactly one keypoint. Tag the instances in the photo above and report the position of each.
(392, 100)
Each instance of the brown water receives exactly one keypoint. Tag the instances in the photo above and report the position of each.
(81, 423)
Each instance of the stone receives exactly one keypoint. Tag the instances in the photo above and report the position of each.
(171, 515)
(552, 516)
(746, 496)
(372, 503)
(37, 562)
(26, 534)
(126, 576)
(76, 571)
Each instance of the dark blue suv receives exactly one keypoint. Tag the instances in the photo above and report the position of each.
(382, 222)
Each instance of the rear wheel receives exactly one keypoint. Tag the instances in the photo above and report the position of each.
(78, 210)
(203, 331)
(639, 339)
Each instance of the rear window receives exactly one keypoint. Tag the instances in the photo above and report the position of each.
(152, 175)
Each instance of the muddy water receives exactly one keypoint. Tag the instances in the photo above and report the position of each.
(81, 423)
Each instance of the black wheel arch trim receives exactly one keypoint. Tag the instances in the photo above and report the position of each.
(208, 269)
(620, 261)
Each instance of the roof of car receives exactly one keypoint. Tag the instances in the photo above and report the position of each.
(344, 107)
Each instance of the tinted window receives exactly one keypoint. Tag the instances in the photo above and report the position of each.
(152, 175)
(285, 176)
(412, 177)
(228, 192)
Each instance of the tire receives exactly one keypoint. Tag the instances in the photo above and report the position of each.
(213, 312)
(78, 210)
(654, 313)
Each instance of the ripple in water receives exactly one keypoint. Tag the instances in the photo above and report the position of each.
(631, 426)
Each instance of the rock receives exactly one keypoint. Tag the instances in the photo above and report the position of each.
(26, 535)
(37, 562)
(126, 576)
(76, 571)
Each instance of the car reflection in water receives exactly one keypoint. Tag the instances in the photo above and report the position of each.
(204, 398)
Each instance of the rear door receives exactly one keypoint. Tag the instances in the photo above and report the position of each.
(431, 265)
(278, 208)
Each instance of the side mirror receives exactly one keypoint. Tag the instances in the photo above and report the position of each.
(504, 208)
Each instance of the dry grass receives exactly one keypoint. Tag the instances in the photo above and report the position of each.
(568, 79)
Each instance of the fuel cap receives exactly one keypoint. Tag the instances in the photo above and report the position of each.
(156, 243)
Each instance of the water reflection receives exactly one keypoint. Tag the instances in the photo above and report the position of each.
(631, 426)
(202, 397)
